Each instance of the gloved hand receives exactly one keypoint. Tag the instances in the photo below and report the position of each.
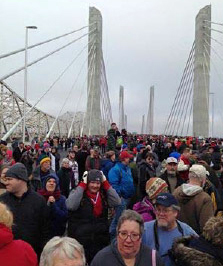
(103, 177)
(84, 178)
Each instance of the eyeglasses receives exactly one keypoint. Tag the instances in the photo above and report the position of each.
(133, 236)
(164, 211)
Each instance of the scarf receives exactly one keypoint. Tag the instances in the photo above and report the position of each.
(96, 202)
(46, 194)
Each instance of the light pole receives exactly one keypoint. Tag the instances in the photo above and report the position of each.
(25, 82)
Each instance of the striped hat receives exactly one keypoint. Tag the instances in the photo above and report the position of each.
(154, 186)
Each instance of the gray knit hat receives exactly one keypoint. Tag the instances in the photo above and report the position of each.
(94, 175)
(18, 171)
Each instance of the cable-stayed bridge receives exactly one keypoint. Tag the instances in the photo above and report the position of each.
(189, 114)
(14, 109)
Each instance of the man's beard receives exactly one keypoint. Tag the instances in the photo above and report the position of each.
(163, 225)
(172, 173)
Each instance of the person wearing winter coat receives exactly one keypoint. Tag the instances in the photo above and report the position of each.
(30, 211)
(120, 178)
(13, 252)
(196, 205)
(56, 203)
(88, 212)
(65, 178)
(205, 250)
(112, 133)
(171, 175)
(146, 170)
(108, 163)
(145, 207)
(184, 164)
(40, 172)
(128, 248)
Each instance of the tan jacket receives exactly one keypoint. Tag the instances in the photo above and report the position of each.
(196, 206)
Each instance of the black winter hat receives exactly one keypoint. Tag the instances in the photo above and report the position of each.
(18, 171)
(94, 175)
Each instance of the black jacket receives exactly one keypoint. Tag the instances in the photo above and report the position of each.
(64, 175)
(180, 181)
(31, 218)
(92, 232)
(17, 154)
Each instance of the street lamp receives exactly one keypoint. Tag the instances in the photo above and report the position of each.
(25, 81)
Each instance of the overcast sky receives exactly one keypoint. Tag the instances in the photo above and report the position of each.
(144, 43)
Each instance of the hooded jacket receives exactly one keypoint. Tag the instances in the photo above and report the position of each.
(196, 206)
(15, 252)
(113, 257)
(58, 209)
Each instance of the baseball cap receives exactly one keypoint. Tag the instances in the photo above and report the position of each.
(199, 170)
(124, 154)
(167, 200)
(171, 160)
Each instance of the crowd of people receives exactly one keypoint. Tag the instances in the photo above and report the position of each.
(119, 199)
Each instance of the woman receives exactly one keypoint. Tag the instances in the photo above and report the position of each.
(204, 250)
(64, 175)
(56, 202)
(108, 163)
(88, 212)
(128, 249)
(13, 252)
(145, 208)
(3, 169)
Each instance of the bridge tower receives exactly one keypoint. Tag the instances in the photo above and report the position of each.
(150, 116)
(121, 109)
(93, 122)
(143, 124)
(201, 74)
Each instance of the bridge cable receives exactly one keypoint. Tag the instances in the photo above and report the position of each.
(41, 43)
(43, 57)
(46, 92)
(169, 120)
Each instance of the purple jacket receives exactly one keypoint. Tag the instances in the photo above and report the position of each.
(146, 209)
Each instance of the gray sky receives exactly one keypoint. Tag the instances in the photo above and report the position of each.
(144, 43)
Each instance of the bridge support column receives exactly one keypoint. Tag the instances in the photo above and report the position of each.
(121, 108)
(201, 74)
(150, 116)
(93, 121)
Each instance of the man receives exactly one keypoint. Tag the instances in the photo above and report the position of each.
(40, 173)
(120, 178)
(113, 133)
(61, 251)
(93, 161)
(17, 153)
(184, 164)
(196, 205)
(160, 234)
(171, 176)
(30, 212)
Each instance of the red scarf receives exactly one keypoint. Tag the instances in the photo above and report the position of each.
(96, 202)
(46, 194)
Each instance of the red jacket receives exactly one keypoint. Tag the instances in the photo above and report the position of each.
(15, 252)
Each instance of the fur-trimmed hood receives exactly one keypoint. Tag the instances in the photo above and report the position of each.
(190, 251)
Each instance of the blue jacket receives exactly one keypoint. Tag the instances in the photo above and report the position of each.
(107, 164)
(58, 216)
(120, 178)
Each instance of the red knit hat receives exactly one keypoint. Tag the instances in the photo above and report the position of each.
(154, 186)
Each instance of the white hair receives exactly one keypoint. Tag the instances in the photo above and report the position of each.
(193, 175)
(61, 247)
(65, 160)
